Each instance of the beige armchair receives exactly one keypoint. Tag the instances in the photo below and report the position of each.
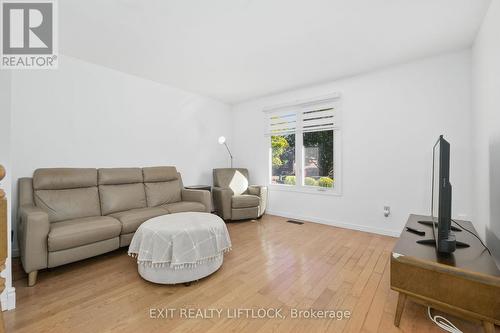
(234, 199)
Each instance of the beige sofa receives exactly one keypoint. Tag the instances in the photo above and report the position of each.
(70, 214)
(234, 198)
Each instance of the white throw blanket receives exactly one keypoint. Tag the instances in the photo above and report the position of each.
(181, 240)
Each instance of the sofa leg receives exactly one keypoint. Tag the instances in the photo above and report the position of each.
(32, 278)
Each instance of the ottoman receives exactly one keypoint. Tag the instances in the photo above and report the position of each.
(180, 247)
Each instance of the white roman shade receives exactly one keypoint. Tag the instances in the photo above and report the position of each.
(281, 123)
(313, 115)
(318, 119)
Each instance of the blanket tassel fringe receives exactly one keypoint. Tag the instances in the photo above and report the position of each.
(168, 264)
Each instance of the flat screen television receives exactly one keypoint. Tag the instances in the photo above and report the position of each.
(443, 237)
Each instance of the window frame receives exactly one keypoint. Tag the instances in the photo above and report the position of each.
(298, 107)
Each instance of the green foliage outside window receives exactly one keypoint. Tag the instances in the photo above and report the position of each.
(325, 182)
(323, 141)
(309, 181)
(279, 144)
(318, 156)
(283, 157)
(290, 180)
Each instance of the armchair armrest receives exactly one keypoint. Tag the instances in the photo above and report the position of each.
(261, 192)
(256, 189)
(201, 196)
(34, 229)
(222, 201)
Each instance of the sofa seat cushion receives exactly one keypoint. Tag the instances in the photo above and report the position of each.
(72, 233)
(245, 201)
(184, 206)
(132, 219)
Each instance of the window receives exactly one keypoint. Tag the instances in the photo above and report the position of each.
(318, 158)
(283, 159)
(304, 140)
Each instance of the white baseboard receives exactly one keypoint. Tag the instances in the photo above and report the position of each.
(8, 299)
(385, 232)
(15, 253)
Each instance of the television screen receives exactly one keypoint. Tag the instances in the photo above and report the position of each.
(435, 182)
(441, 196)
(443, 238)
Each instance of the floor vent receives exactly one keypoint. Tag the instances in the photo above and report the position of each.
(295, 222)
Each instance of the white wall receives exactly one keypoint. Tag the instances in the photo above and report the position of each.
(391, 119)
(84, 115)
(8, 295)
(486, 70)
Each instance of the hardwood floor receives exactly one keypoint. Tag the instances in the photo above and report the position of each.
(273, 264)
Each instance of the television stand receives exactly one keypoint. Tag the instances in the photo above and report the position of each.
(465, 283)
(429, 224)
(432, 242)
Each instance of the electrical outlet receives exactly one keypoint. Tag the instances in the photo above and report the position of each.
(387, 211)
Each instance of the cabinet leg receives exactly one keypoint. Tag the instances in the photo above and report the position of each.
(399, 309)
(488, 327)
(32, 278)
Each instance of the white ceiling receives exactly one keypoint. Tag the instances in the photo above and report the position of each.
(235, 50)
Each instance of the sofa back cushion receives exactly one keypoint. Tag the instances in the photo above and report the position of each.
(234, 178)
(162, 184)
(66, 193)
(121, 189)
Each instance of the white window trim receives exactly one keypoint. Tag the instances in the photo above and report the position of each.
(299, 158)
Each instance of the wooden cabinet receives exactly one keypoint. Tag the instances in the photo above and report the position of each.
(465, 283)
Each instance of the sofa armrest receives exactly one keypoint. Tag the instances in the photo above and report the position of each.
(201, 196)
(34, 229)
(261, 192)
(223, 201)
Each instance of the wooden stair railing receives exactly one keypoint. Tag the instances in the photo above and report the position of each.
(3, 240)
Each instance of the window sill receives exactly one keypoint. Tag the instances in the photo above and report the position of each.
(305, 190)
